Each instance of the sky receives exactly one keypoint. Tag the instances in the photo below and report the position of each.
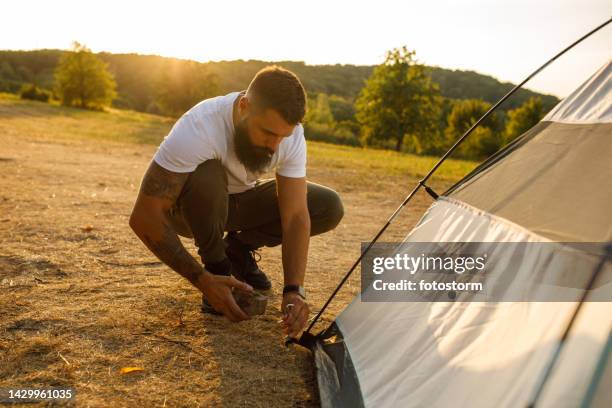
(506, 39)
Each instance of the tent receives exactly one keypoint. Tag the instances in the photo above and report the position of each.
(552, 185)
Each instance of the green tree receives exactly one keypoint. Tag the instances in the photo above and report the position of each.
(34, 93)
(341, 108)
(320, 123)
(398, 102)
(83, 80)
(485, 140)
(182, 84)
(319, 110)
(523, 118)
(7, 71)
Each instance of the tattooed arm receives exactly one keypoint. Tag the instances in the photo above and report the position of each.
(159, 191)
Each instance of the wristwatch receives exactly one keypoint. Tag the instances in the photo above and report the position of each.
(299, 289)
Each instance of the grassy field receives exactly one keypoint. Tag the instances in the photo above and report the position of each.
(81, 297)
(134, 127)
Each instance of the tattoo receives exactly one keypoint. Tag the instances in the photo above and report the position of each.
(165, 187)
(170, 250)
(161, 183)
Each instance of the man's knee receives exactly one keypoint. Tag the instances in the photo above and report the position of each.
(335, 209)
(328, 209)
(207, 183)
(203, 200)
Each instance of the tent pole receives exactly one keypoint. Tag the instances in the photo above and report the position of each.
(306, 337)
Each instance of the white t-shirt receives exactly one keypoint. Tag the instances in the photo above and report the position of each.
(206, 132)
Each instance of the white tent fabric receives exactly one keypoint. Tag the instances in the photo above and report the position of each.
(590, 103)
(482, 354)
(468, 353)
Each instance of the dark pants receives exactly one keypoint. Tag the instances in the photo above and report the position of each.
(205, 210)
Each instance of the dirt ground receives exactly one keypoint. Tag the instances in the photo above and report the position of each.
(81, 297)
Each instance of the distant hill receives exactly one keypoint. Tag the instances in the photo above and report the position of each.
(136, 77)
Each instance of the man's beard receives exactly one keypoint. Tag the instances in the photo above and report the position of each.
(254, 158)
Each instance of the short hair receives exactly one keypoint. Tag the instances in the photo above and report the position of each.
(277, 88)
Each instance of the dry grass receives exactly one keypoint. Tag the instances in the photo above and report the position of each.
(81, 297)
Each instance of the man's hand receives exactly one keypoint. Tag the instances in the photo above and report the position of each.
(294, 317)
(218, 292)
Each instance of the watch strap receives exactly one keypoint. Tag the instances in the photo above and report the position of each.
(295, 288)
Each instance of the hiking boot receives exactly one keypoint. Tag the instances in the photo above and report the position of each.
(221, 268)
(244, 264)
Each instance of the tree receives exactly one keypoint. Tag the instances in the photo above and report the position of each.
(320, 123)
(7, 71)
(523, 118)
(485, 140)
(399, 101)
(34, 93)
(83, 80)
(182, 84)
(319, 110)
(341, 108)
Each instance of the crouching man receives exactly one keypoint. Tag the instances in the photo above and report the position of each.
(204, 181)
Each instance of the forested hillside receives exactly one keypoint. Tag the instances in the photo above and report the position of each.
(138, 77)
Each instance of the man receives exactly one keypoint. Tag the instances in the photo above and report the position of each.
(203, 181)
